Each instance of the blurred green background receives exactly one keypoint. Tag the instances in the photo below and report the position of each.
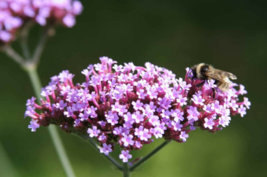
(231, 35)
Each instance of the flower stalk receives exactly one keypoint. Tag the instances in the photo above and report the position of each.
(141, 161)
(24, 40)
(97, 147)
(126, 170)
(40, 47)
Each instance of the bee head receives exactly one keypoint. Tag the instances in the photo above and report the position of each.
(204, 69)
(200, 71)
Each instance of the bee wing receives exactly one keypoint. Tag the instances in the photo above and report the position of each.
(227, 74)
(221, 75)
(231, 76)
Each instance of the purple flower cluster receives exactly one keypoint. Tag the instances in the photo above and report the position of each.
(14, 13)
(130, 105)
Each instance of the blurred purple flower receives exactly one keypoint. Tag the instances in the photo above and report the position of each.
(14, 13)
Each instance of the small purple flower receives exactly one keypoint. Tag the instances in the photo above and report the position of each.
(128, 124)
(69, 20)
(192, 113)
(125, 156)
(181, 100)
(64, 76)
(137, 105)
(30, 112)
(209, 123)
(117, 130)
(127, 140)
(65, 90)
(216, 106)
(177, 126)
(148, 111)
(192, 127)
(93, 132)
(183, 84)
(209, 107)
(183, 136)
(120, 109)
(138, 117)
(158, 131)
(106, 149)
(246, 102)
(138, 144)
(33, 125)
(211, 83)
(86, 72)
(102, 137)
(242, 90)
(165, 113)
(141, 93)
(138, 131)
(154, 120)
(224, 112)
(61, 105)
(77, 122)
(112, 118)
(102, 123)
(31, 102)
(197, 98)
(224, 121)
(178, 115)
(144, 135)
(69, 112)
(242, 111)
(151, 92)
(5, 36)
(84, 116)
(233, 105)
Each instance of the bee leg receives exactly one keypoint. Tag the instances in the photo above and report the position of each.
(213, 89)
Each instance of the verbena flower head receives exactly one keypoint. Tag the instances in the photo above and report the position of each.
(130, 105)
(15, 13)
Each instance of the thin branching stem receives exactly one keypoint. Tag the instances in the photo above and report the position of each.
(40, 46)
(138, 163)
(97, 147)
(24, 40)
(13, 55)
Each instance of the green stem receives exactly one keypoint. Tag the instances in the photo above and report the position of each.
(31, 70)
(149, 155)
(13, 55)
(97, 147)
(126, 170)
(40, 46)
(24, 40)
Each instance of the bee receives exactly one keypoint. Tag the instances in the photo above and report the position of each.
(206, 72)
